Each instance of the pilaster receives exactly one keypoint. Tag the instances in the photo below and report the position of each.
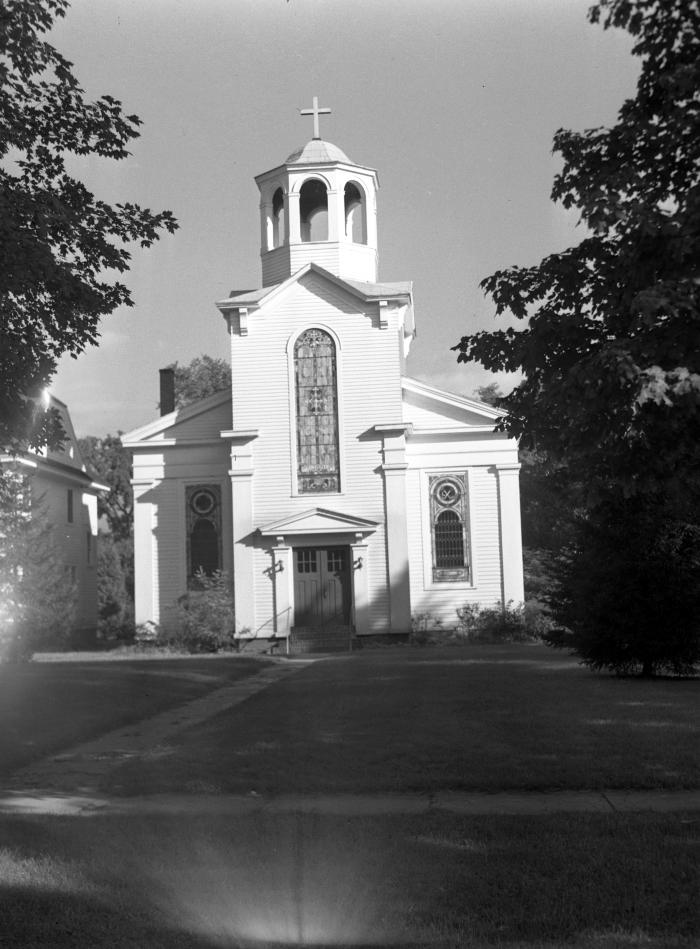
(241, 474)
(283, 579)
(511, 538)
(359, 552)
(394, 469)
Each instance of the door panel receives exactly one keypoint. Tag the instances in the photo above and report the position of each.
(321, 586)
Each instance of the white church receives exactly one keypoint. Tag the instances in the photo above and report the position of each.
(340, 496)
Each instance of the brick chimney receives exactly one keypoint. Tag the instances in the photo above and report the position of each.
(167, 391)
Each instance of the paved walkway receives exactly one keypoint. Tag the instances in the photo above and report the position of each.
(80, 768)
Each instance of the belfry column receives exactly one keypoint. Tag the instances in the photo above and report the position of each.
(394, 471)
(241, 475)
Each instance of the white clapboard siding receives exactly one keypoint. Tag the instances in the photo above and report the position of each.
(368, 361)
(207, 424)
(441, 600)
(424, 414)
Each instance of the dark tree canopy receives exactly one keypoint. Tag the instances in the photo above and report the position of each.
(200, 378)
(610, 348)
(57, 240)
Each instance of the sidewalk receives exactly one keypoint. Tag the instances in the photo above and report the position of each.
(526, 803)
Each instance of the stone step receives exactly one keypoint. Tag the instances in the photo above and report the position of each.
(319, 639)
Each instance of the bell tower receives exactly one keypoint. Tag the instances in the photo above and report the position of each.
(320, 207)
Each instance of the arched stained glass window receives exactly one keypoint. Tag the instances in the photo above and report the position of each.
(449, 527)
(318, 468)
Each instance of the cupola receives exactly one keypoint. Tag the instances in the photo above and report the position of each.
(320, 207)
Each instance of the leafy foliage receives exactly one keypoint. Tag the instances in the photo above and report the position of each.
(629, 595)
(114, 604)
(37, 595)
(611, 349)
(110, 463)
(56, 238)
(206, 616)
(200, 378)
(481, 624)
(490, 394)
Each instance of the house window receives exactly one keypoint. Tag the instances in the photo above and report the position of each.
(449, 521)
(318, 469)
(69, 505)
(203, 529)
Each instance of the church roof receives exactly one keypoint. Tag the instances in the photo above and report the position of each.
(315, 152)
(367, 291)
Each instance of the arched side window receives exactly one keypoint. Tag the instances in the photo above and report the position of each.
(313, 211)
(318, 461)
(203, 529)
(278, 221)
(449, 523)
(355, 214)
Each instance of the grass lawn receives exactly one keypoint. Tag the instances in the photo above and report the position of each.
(473, 718)
(590, 882)
(46, 707)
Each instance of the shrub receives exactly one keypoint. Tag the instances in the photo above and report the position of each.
(206, 617)
(425, 628)
(629, 588)
(508, 624)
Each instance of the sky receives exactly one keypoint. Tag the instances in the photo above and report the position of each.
(454, 102)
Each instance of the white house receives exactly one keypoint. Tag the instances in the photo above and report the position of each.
(340, 496)
(66, 495)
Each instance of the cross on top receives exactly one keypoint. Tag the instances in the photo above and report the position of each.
(315, 111)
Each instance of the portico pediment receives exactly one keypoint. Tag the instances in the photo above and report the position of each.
(319, 520)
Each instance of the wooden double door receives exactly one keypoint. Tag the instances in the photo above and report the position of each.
(321, 586)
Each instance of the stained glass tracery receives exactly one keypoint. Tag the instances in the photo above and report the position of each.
(317, 413)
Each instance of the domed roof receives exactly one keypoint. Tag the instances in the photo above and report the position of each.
(316, 151)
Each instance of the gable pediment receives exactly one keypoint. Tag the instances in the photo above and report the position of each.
(426, 407)
(319, 520)
(252, 300)
(204, 419)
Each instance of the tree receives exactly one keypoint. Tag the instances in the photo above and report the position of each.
(114, 604)
(611, 348)
(57, 240)
(610, 357)
(110, 463)
(490, 394)
(200, 378)
(629, 591)
(37, 595)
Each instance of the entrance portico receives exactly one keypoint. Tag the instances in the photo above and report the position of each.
(320, 570)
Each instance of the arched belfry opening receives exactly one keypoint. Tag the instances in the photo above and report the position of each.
(278, 219)
(355, 214)
(313, 211)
